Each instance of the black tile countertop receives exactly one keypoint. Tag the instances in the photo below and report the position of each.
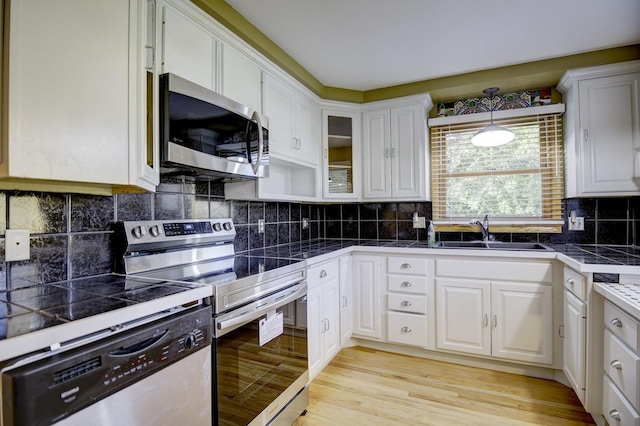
(592, 258)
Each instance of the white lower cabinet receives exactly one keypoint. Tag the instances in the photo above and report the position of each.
(346, 299)
(574, 333)
(406, 295)
(621, 363)
(323, 316)
(479, 311)
(367, 322)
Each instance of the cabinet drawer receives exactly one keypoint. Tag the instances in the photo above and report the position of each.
(408, 329)
(622, 366)
(407, 265)
(319, 274)
(575, 283)
(407, 284)
(621, 324)
(407, 303)
(615, 408)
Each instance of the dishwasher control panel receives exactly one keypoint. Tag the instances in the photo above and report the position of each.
(53, 388)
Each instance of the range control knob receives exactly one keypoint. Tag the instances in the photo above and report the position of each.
(227, 226)
(155, 230)
(189, 341)
(138, 231)
(217, 227)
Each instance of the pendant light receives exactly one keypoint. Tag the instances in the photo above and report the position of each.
(493, 134)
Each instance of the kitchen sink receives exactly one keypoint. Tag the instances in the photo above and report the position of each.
(492, 245)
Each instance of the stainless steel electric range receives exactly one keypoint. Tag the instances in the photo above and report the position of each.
(259, 347)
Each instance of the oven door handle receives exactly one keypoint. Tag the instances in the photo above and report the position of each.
(259, 308)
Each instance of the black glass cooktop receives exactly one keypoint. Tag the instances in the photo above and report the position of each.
(37, 307)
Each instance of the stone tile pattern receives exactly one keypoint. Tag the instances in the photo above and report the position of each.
(72, 235)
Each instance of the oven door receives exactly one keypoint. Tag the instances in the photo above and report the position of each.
(260, 359)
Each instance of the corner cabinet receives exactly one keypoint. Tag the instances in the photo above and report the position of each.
(602, 130)
(395, 145)
(77, 101)
(341, 165)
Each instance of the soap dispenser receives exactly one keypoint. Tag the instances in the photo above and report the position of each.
(431, 235)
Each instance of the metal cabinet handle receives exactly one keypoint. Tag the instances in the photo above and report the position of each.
(405, 266)
(405, 284)
(570, 281)
(325, 153)
(495, 321)
(486, 320)
(323, 273)
(405, 330)
(393, 153)
(616, 364)
(616, 322)
(405, 303)
(328, 323)
(614, 414)
(561, 331)
(344, 301)
(386, 153)
(586, 135)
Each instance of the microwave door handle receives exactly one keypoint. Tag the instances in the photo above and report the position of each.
(256, 117)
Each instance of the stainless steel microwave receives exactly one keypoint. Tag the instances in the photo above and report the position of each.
(205, 133)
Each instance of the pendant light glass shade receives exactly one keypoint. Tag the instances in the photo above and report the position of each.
(493, 134)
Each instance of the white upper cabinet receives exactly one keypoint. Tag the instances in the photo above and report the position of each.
(77, 96)
(189, 49)
(602, 130)
(294, 122)
(395, 144)
(241, 78)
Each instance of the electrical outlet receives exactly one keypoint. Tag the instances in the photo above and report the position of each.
(260, 226)
(16, 245)
(576, 224)
(305, 223)
(419, 222)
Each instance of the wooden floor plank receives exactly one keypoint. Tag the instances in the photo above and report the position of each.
(364, 386)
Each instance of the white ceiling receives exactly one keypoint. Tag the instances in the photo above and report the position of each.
(369, 44)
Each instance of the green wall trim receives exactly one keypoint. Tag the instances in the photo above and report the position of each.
(530, 75)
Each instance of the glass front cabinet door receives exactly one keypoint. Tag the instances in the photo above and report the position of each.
(341, 154)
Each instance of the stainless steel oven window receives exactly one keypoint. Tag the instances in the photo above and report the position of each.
(249, 376)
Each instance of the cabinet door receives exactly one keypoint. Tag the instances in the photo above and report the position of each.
(331, 312)
(346, 300)
(462, 312)
(366, 280)
(307, 122)
(522, 322)
(315, 330)
(610, 139)
(407, 152)
(189, 50)
(71, 95)
(279, 108)
(574, 344)
(241, 78)
(340, 154)
(376, 151)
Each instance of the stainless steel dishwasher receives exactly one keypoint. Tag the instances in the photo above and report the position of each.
(155, 372)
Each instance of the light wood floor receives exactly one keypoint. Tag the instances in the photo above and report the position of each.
(368, 387)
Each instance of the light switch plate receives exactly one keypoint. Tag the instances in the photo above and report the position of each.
(17, 245)
(420, 223)
(577, 224)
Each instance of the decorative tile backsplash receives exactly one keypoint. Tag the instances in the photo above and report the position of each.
(72, 235)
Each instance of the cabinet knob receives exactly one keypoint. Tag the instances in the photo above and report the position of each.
(323, 273)
(570, 281)
(616, 322)
(614, 414)
(405, 284)
(405, 266)
(405, 330)
(616, 364)
(405, 303)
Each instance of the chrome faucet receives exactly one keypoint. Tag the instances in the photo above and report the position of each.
(484, 227)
